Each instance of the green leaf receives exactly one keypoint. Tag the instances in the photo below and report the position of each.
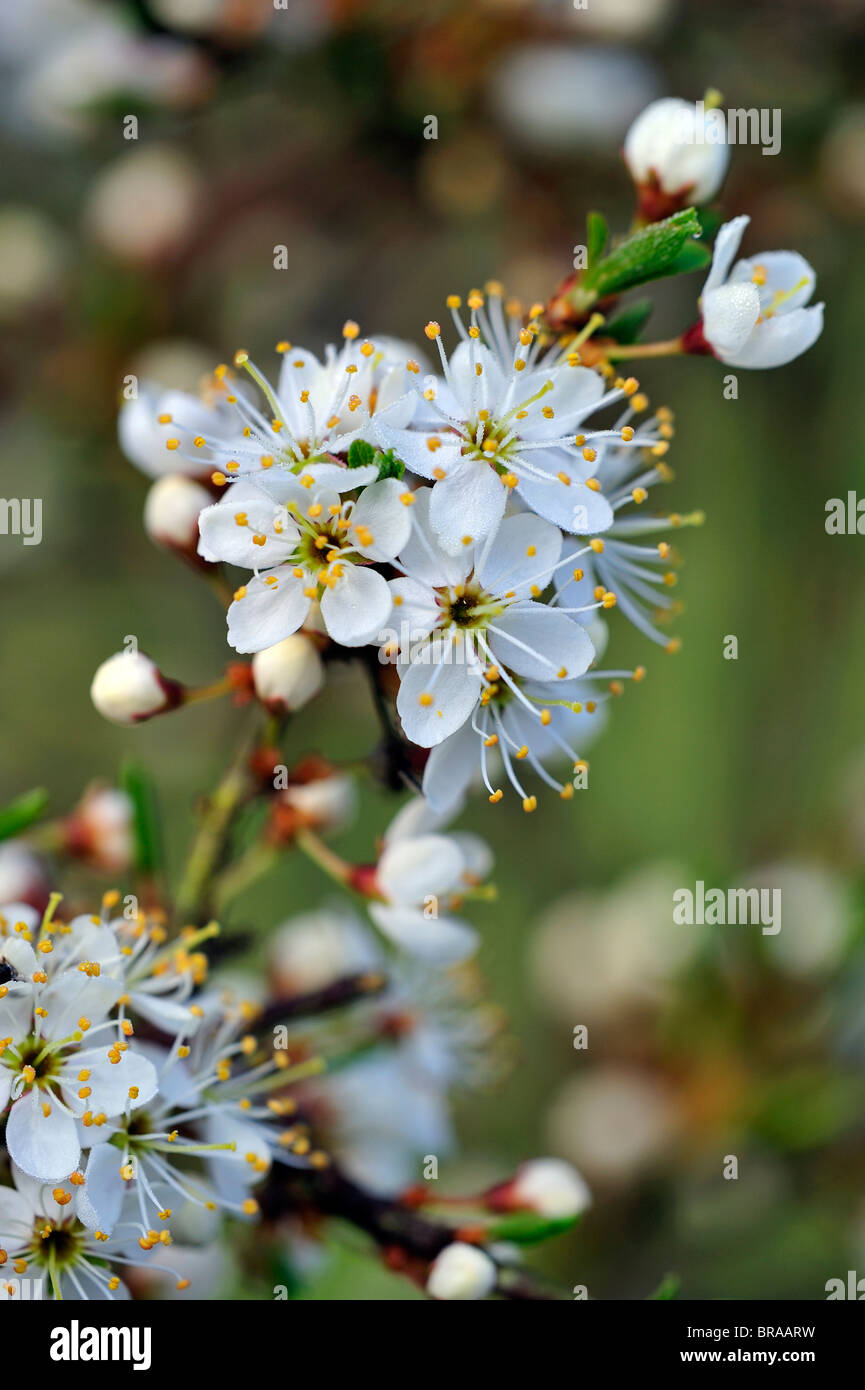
(597, 234)
(361, 454)
(22, 812)
(710, 222)
(138, 786)
(627, 326)
(694, 255)
(649, 254)
(389, 466)
(669, 1288)
(527, 1227)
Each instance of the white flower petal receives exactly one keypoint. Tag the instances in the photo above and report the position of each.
(227, 530)
(340, 478)
(467, 505)
(571, 505)
(16, 1011)
(411, 870)
(357, 607)
(423, 557)
(476, 391)
(776, 341)
(729, 317)
(266, 613)
(413, 447)
(570, 393)
(99, 1201)
(724, 253)
(438, 941)
(478, 858)
(538, 642)
(71, 995)
(109, 1082)
(522, 553)
(784, 271)
(16, 1220)
(417, 817)
(380, 511)
(165, 1014)
(415, 610)
(43, 1145)
(455, 689)
(450, 770)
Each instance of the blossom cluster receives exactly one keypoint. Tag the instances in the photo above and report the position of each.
(474, 519)
(463, 522)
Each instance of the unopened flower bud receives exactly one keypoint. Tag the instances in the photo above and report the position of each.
(23, 876)
(171, 513)
(548, 1186)
(129, 688)
(100, 829)
(288, 675)
(676, 153)
(313, 950)
(461, 1272)
(323, 803)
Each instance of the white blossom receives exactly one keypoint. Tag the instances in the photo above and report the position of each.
(419, 879)
(305, 544)
(754, 313)
(507, 417)
(469, 625)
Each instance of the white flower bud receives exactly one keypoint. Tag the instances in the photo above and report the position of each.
(288, 675)
(129, 687)
(461, 1272)
(100, 829)
(551, 1187)
(23, 876)
(677, 149)
(326, 803)
(313, 950)
(171, 512)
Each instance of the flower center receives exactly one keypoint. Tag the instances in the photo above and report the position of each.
(468, 606)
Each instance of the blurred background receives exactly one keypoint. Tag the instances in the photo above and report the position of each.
(303, 126)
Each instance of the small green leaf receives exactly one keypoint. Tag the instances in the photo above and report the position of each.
(597, 234)
(627, 326)
(389, 466)
(148, 845)
(710, 222)
(361, 454)
(527, 1227)
(694, 255)
(22, 812)
(669, 1288)
(649, 254)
